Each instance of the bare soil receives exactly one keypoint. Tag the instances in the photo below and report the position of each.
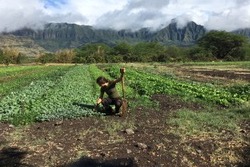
(141, 138)
(208, 74)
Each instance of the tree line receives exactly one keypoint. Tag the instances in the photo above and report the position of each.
(215, 45)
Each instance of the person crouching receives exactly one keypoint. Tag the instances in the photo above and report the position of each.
(109, 87)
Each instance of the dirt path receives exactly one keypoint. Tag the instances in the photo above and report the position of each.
(139, 139)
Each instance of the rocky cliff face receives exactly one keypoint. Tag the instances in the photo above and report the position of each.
(56, 36)
(62, 35)
(186, 35)
(244, 32)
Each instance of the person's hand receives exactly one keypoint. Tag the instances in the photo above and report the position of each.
(122, 70)
(99, 100)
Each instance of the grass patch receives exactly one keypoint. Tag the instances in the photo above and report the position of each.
(189, 123)
(142, 101)
(220, 129)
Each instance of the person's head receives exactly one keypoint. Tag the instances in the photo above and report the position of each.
(102, 81)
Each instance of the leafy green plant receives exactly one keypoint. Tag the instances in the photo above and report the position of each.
(14, 78)
(61, 96)
(149, 84)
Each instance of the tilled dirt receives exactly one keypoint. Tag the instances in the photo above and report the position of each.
(208, 75)
(141, 138)
(240, 75)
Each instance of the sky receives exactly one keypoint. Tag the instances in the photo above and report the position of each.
(225, 15)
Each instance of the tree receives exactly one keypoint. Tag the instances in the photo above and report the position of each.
(1, 56)
(122, 48)
(64, 56)
(46, 58)
(175, 53)
(222, 44)
(10, 55)
(92, 53)
(20, 58)
(121, 52)
(246, 50)
(197, 53)
(147, 51)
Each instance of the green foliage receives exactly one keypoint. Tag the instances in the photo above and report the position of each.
(119, 53)
(47, 58)
(20, 58)
(92, 53)
(1, 56)
(64, 56)
(240, 91)
(6, 60)
(8, 56)
(197, 53)
(54, 92)
(13, 78)
(246, 50)
(62, 96)
(209, 49)
(148, 84)
(223, 45)
(123, 52)
(174, 54)
(122, 48)
(146, 52)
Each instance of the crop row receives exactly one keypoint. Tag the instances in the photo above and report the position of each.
(67, 96)
(12, 70)
(11, 80)
(148, 84)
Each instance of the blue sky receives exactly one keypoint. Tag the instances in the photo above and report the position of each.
(119, 14)
(54, 3)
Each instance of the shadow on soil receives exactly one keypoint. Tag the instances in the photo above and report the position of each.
(89, 106)
(96, 108)
(245, 154)
(12, 156)
(89, 162)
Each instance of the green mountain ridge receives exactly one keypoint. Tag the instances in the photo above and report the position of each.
(56, 36)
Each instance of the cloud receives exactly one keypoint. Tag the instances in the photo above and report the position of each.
(125, 14)
(17, 14)
(231, 18)
(135, 15)
(227, 15)
(14, 14)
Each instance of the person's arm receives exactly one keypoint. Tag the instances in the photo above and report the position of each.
(122, 71)
(99, 100)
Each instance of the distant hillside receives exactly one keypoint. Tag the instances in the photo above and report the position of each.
(62, 35)
(24, 45)
(57, 36)
(244, 32)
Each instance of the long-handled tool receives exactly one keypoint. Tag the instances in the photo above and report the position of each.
(123, 88)
(124, 101)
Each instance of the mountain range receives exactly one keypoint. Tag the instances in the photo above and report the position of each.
(57, 36)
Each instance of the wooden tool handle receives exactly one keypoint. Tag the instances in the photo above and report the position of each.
(123, 88)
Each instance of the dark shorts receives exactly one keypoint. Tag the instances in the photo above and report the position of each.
(112, 101)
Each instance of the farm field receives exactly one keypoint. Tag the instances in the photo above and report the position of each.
(183, 114)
